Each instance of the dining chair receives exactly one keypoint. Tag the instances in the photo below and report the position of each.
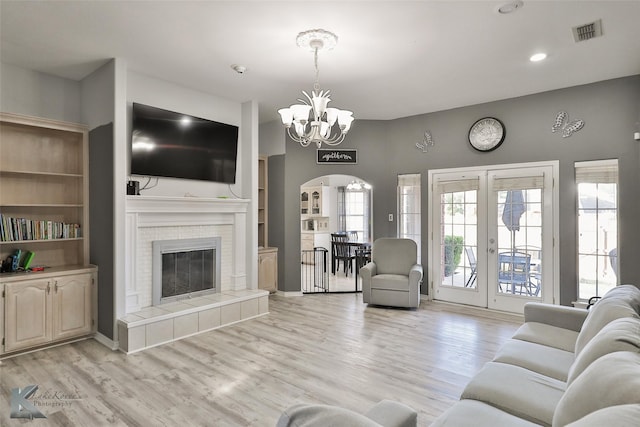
(341, 251)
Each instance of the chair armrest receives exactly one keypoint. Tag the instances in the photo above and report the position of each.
(368, 270)
(561, 316)
(415, 274)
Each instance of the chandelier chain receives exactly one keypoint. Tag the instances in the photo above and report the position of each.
(316, 85)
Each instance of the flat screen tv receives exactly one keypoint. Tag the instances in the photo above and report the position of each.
(169, 144)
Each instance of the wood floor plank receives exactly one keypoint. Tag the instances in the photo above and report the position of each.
(330, 349)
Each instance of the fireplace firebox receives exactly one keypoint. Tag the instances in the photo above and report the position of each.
(185, 268)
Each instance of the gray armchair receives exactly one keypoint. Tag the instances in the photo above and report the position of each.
(393, 276)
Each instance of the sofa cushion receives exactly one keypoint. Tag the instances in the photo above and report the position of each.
(613, 379)
(619, 335)
(545, 360)
(518, 391)
(621, 301)
(396, 282)
(309, 415)
(619, 415)
(551, 336)
(473, 413)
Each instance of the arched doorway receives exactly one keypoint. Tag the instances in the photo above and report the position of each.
(333, 205)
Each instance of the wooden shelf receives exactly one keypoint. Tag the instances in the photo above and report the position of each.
(26, 172)
(18, 242)
(44, 177)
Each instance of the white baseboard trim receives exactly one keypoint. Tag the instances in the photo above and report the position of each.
(107, 342)
(289, 293)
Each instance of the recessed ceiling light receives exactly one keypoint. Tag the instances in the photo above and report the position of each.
(240, 69)
(537, 57)
(510, 7)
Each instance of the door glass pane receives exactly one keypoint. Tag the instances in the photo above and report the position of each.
(519, 242)
(459, 245)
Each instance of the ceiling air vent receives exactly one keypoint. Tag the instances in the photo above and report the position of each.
(587, 31)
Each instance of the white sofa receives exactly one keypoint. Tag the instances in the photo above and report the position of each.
(563, 366)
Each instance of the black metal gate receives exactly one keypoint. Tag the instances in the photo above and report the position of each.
(314, 274)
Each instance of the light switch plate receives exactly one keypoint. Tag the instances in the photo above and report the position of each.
(390, 217)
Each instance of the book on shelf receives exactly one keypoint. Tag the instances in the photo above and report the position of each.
(18, 229)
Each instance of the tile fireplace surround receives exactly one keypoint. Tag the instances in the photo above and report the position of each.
(160, 218)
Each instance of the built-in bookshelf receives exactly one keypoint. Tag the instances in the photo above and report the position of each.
(44, 190)
(263, 240)
(267, 256)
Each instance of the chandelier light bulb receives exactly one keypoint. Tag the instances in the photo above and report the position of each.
(313, 120)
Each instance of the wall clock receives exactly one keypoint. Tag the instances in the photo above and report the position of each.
(486, 134)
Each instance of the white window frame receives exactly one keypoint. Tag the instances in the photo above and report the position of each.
(415, 217)
(597, 171)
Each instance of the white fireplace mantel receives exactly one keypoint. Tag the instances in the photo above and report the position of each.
(175, 215)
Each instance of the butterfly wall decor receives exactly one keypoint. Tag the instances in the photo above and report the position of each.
(563, 124)
(426, 142)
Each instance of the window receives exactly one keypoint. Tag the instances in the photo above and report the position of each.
(353, 209)
(409, 208)
(597, 185)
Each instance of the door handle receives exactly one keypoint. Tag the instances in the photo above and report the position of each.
(491, 250)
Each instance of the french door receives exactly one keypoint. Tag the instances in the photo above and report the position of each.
(492, 233)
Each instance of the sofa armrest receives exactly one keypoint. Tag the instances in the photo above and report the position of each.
(555, 315)
(388, 413)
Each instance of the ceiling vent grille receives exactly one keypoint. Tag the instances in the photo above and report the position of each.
(587, 31)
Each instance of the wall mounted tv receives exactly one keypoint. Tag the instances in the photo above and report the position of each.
(169, 144)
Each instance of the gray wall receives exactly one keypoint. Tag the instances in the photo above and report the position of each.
(610, 110)
(102, 222)
(37, 94)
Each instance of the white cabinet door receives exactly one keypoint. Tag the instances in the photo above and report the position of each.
(27, 311)
(71, 306)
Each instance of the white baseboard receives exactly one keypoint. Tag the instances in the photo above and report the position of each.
(289, 293)
(107, 342)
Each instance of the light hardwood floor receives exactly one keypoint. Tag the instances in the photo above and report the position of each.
(330, 349)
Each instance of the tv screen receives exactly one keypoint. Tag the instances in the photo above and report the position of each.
(169, 144)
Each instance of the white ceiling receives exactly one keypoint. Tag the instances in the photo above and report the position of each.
(393, 58)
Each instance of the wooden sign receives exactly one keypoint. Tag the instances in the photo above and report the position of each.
(335, 156)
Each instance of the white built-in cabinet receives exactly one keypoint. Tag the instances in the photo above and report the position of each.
(314, 201)
(50, 308)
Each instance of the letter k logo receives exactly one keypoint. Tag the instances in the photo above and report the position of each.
(21, 407)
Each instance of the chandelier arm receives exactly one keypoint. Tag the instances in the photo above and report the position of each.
(336, 141)
(300, 140)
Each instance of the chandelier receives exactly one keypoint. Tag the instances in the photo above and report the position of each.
(312, 120)
(358, 186)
